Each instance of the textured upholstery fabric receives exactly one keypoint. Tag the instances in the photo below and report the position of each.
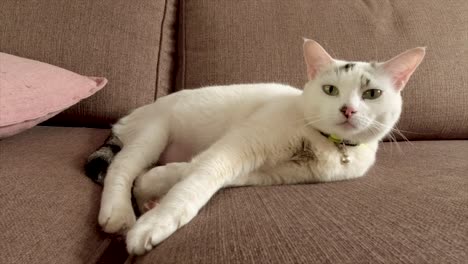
(128, 42)
(49, 208)
(411, 208)
(398, 213)
(225, 42)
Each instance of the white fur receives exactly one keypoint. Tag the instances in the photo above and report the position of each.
(238, 135)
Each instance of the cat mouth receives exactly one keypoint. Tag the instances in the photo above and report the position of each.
(347, 125)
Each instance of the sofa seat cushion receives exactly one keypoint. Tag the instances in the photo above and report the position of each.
(412, 207)
(49, 208)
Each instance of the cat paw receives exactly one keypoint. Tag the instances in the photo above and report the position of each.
(157, 181)
(150, 204)
(148, 232)
(116, 216)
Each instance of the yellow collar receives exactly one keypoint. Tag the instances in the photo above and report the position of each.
(335, 139)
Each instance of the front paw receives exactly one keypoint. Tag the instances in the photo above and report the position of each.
(149, 230)
(116, 215)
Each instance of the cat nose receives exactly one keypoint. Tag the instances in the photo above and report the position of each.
(347, 111)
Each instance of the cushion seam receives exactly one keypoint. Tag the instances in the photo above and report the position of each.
(161, 37)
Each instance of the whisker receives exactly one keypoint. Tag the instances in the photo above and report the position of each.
(374, 131)
(393, 130)
(396, 142)
(375, 126)
(307, 118)
(313, 122)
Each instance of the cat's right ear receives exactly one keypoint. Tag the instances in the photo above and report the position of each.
(401, 67)
(315, 57)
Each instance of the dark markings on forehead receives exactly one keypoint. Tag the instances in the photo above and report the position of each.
(373, 64)
(365, 82)
(347, 67)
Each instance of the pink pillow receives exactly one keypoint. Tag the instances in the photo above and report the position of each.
(33, 91)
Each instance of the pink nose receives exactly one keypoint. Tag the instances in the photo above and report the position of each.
(347, 111)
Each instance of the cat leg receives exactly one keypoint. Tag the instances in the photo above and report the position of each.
(288, 173)
(210, 171)
(145, 147)
(154, 184)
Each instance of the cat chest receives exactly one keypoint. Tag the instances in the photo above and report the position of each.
(305, 153)
(324, 162)
(302, 152)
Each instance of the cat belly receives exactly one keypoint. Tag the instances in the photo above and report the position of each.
(176, 152)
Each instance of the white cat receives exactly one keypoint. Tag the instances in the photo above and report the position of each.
(252, 134)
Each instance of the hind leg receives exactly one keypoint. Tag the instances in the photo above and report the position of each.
(142, 147)
(155, 183)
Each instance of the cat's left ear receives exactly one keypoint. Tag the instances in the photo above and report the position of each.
(315, 57)
(401, 67)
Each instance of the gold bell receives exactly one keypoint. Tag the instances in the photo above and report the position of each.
(345, 159)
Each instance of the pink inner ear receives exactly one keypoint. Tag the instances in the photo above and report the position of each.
(401, 67)
(311, 73)
(315, 57)
(400, 79)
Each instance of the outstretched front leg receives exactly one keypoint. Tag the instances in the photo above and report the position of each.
(116, 212)
(233, 155)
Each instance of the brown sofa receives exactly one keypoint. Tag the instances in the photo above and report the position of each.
(412, 207)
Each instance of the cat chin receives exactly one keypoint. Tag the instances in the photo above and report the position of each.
(349, 127)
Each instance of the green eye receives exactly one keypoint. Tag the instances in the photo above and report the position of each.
(330, 90)
(372, 94)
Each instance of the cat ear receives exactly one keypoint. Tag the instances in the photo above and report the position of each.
(315, 57)
(401, 67)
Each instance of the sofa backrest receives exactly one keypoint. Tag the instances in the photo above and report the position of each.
(225, 42)
(131, 43)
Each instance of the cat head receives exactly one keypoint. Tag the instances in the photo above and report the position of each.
(357, 101)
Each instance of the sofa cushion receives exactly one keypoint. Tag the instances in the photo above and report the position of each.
(410, 208)
(225, 42)
(49, 207)
(131, 43)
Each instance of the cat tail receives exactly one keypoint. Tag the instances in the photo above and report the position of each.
(98, 162)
